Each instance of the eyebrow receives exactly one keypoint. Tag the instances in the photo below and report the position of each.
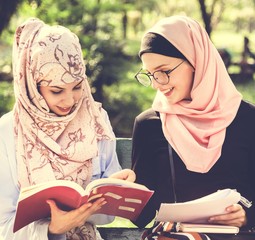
(160, 66)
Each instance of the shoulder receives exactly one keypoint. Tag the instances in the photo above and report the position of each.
(246, 111)
(148, 123)
(105, 116)
(6, 124)
(148, 115)
(7, 133)
(104, 112)
(245, 118)
(247, 105)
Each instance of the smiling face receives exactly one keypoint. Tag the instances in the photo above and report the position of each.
(181, 79)
(62, 98)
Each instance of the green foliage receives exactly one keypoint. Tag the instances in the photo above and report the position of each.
(125, 101)
(6, 97)
(106, 62)
(111, 59)
(247, 90)
(95, 25)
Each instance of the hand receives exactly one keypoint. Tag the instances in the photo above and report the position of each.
(236, 216)
(62, 221)
(125, 174)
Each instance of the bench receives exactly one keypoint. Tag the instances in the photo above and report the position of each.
(123, 148)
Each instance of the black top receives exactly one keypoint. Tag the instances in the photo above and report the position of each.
(234, 169)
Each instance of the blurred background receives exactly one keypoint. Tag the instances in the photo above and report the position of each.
(110, 33)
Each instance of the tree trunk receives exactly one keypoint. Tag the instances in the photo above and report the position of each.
(7, 9)
(206, 17)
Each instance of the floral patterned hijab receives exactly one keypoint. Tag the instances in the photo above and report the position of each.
(196, 129)
(49, 146)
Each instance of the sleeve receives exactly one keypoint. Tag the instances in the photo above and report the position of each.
(105, 164)
(142, 162)
(9, 193)
(250, 211)
(249, 189)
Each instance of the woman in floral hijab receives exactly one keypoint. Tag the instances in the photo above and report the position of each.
(59, 131)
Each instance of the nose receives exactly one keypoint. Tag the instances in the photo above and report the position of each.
(69, 100)
(155, 84)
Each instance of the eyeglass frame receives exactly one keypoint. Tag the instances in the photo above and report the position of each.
(167, 72)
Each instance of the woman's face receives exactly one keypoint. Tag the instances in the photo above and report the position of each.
(62, 98)
(181, 79)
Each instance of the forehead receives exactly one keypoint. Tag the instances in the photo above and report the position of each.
(154, 61)
(63, 86)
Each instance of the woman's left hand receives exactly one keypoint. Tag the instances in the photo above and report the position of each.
(125, 174)
(236, 216)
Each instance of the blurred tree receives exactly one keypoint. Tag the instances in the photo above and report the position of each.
(211, 13)
(97, 23)
(6, 12)
(6, 97)
(103, 27)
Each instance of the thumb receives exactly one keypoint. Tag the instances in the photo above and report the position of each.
(53, 205)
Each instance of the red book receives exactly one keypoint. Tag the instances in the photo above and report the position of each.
(124, 199)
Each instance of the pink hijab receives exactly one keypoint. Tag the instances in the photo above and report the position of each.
(196, 129)
(48, 146)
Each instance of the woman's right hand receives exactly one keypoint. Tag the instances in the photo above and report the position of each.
(124, 174)
(62, 221)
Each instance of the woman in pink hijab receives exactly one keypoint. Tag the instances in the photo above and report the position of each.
(200, 114)
(55, 131)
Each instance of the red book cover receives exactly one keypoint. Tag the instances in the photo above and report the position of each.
(124, 199)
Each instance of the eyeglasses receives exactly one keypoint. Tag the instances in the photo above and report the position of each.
(161, 77)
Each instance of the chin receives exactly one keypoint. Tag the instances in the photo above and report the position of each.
(171, 101)
(60, 114)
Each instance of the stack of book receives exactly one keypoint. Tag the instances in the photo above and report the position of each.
(192, 216)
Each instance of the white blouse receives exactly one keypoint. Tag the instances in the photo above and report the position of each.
(104, 165)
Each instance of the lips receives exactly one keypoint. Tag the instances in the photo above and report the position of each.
(65, 110)
(167, 92)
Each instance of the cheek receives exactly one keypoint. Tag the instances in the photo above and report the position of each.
(78, 95)
(51, 100)
(188, 84)
(191, 80)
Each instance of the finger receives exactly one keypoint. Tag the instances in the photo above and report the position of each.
(92, 207)
(119, 175)
(234, 222)
(125, 174)
(234, 208)
(226, 217)
(235, 211)
(130, 175)
(53, 206)
(98, 204)
(237, 218)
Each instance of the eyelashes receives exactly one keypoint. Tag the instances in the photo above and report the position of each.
(60, 91)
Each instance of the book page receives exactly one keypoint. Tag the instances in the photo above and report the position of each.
(29, 191)
(199, 210)
(121, 201)
(113, 181)
(206, 228)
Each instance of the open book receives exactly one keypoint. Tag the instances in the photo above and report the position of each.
(124, 199)
(199, 211)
